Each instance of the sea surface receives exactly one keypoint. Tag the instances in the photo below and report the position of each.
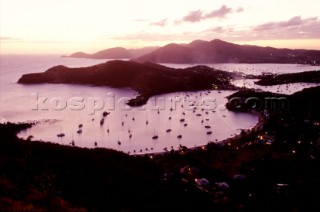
(199, 117)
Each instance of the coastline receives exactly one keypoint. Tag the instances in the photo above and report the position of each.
(236, 138)
(229, 141)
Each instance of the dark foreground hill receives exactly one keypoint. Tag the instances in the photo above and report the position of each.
(218, 51)
(39, 176)
(303, 104)
(147, 78)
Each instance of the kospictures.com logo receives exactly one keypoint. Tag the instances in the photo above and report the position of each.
(110, 102)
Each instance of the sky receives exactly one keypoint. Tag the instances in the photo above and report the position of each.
(67, 26)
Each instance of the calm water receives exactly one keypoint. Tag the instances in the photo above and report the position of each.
(282, 89)
(126, 129)
(255, 69)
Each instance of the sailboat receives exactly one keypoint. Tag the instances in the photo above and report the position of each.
(179, 136)
(60, 135)
(72, 141)
(133, 119)
(95, 141)
(168, 130)
(154, 137)
(105, 113)
(147, 122)
(209, 132)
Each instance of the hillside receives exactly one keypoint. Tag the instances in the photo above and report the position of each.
(303, 77)
(303, 104)
(218, 51)
(114, 53)
(147, 78)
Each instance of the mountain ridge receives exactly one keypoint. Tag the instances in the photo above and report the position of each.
(219, 51)
(214, 51)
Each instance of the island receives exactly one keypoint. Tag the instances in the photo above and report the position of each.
(114, 53)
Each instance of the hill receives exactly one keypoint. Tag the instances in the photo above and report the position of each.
(114, 53)
(147, 78)
(303, 77)
(218, 51)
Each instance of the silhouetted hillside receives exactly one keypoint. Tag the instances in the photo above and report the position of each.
(114, 53)
(40, 176)
(148, 79)
(303, 104)
(307, 77)
(218, 51)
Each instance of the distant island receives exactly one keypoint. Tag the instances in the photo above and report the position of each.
(147, 78)
(114, 53)
(215, 51)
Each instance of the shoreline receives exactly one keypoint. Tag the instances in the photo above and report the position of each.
(261, 121)
(229, 141)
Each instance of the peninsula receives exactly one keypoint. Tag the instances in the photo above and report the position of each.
(147, 78)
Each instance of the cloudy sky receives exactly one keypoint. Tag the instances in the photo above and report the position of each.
(66, 26)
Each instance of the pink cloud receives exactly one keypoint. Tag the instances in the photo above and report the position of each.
(294, 28)
(295, 21)
(9, 39)
(220, 13)
(193, 16)
(199, 15)
(239, 9)
(161, 23)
